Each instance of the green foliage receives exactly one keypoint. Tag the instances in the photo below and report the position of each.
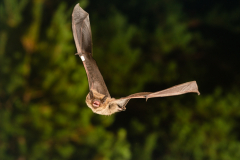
(139, 46)
(42, 102)
(207, 132)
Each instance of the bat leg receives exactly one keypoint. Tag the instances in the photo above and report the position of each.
(122, 108)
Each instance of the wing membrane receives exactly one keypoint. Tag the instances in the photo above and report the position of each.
(187, 87)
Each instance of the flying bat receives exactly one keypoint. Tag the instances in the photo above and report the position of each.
(98, 98)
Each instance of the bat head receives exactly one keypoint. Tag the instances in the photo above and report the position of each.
(101, 104)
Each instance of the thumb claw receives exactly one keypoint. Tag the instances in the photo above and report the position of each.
(78, 54)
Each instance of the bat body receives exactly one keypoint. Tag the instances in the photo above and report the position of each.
(98, 98)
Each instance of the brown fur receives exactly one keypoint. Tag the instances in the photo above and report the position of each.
(106, 108)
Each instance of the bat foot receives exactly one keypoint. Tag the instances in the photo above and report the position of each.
(121, 108)
(146, 98)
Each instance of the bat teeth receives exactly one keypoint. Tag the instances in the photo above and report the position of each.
(96, 103)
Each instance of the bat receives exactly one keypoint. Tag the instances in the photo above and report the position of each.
(98, 99)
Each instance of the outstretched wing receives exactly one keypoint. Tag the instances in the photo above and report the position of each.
(173, 91)
(83, 40)
(81, 30)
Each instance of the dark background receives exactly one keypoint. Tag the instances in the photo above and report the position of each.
(139, 45)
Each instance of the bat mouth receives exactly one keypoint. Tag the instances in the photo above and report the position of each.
(96, 103)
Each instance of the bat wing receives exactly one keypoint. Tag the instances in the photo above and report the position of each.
(83, 40)
(173, 91)
(81, 30)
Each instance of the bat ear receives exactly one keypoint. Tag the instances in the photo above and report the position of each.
(91, 94)
(121, 103)
(104, 99)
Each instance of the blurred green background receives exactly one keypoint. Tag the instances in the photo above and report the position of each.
(139, 45)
